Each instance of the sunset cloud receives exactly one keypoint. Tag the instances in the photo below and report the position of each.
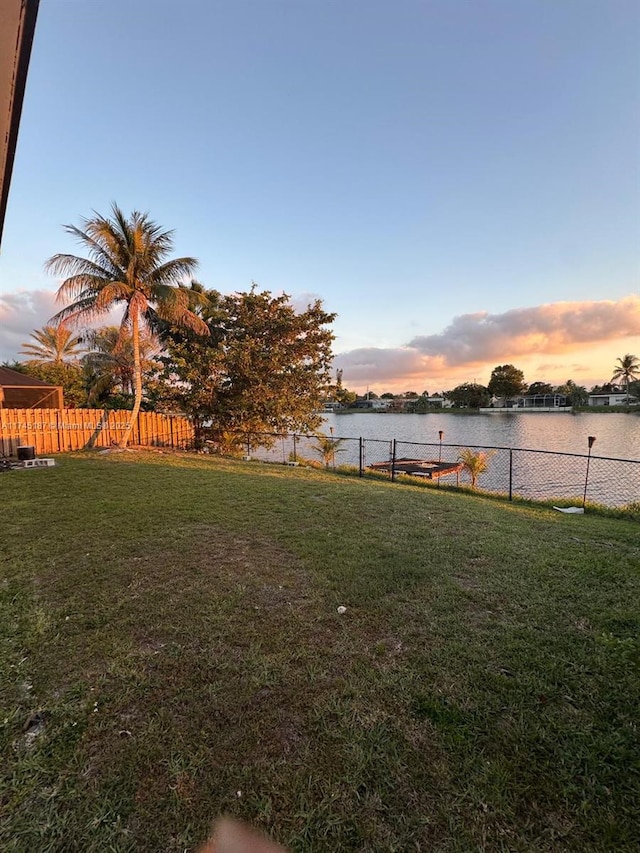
(473, 344)
(550, 329)
(23, 311)
(373, 364)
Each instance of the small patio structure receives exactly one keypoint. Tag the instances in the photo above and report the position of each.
(19, 391)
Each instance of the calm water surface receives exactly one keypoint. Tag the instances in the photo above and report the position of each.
(617, 435)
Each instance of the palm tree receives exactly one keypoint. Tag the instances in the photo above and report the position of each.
(327, 448)
(475, 462)
(628, 369)
(127, 266)
(55, 345)
(110, 363)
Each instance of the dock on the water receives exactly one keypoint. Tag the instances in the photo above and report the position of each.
(431, 469)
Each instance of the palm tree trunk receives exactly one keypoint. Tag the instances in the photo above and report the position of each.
(137, 377)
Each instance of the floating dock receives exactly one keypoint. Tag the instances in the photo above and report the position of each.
(431, 469)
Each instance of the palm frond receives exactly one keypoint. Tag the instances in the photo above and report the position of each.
(112, 293)
(54, 344)
(80, 287)
(111, 239)
(82, 310)
(172, 271)
(72, 265)
(192, 322)
(98, 253)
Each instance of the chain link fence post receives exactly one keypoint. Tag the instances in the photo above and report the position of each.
(511, 475)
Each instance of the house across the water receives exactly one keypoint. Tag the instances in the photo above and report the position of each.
(619, 398)
(530, 403)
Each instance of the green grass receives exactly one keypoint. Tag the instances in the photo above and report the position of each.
(170, 650)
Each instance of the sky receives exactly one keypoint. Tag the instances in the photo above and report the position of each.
(459, 180)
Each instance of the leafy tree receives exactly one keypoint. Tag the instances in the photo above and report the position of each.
(628, 369)
(537, 388)
(506, 381)
(345, 397)
(421, 405)
(387, 396)
(263, 367)
(127, 265)
(475, 462)
(54, 345)
(469, 395)
(410, 395)
(577, 395)
(339, 393)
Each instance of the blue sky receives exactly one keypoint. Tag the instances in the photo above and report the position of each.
(423, 167)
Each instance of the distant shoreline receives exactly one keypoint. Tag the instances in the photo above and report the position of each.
(576, 410)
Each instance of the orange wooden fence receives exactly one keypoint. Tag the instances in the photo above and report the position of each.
(58, 430)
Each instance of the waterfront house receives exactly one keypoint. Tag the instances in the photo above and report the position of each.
(529, 403)
(377, 405)
(619, 398)
(542, 401)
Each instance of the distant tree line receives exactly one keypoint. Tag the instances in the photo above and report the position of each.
(508, 382)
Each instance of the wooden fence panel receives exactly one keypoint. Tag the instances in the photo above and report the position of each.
(143, 432)
(60, 430)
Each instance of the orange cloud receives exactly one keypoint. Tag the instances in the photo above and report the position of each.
(554, 328)
(473, 344)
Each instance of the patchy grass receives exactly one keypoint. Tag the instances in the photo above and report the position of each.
(170, 649)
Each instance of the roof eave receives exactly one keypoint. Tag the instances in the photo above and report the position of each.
(17, 27)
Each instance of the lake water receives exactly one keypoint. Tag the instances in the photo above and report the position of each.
(543, 455)
(534, 473)
(617, 435)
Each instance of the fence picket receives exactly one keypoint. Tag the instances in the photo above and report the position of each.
(59, 430)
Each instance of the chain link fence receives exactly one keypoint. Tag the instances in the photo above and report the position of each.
(512, 472)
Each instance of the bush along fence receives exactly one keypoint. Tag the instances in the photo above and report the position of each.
(540, 475)
(60, 430)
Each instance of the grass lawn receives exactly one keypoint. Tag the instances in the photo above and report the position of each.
(170, 650)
